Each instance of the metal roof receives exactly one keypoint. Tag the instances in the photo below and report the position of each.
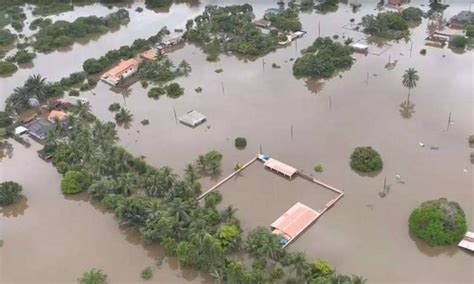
(192, 118)
(294, 221)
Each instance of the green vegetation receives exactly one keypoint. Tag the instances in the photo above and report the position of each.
(22, 56)
(229, 29)
(458, 42)
(156, 92)
(114, 107)
(327, 6)
(74, 93)
(412, 14)
(40, 23)
(287, 21)
(7, 68)
(153, 4)
(51, 8)
(209, 163)
(470, 140)
(318, 168)
(95, 276)
(469, 30)
(75, 182)
(174, 90)
(410, 78)
(147, 273)
(158, 71)
(240, 143)
(74, 79)
(366, 160)
(323, 59)
(10, 192)
(386, 25)
(17, 26)
(123, 117)
(62, 34)
(9, 13)
(6, 38)
(438, 222)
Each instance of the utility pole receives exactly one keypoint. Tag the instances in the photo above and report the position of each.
(319, 29)
(175, 116)
(222, 86)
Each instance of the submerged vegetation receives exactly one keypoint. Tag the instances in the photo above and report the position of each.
(366, 160)
(7, 68)
(10, 192)
(438, 222)
(323, 59)
(95, 276)
(62, 33)
(387, 25)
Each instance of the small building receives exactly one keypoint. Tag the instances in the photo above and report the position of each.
(121, 71)
(57, 115)
(20, 130)
(461, 20)
(279, 167)
(293, 222)
(169, 41)
(468, 241)
(39, 129)
(359, 47)
(193, 118)
(262, 23)
(438, 37)
(150, 55)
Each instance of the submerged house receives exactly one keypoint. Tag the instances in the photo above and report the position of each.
(359, 47)
(39, 129)
(192, 118)
(169, 41)
(57, 115)
(121, 71)
(461, 20)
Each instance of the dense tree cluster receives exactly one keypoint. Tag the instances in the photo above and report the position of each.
(388, 25)
(10, 192)
(6, 38)
(152, 4)
(7, 68)
(327, 6)
(438, 222)
(22, 56)
(412, 14)
(366, 160)
(229, 28)
(323, 59)
(240, 142)
(62, 33)
(287, 21)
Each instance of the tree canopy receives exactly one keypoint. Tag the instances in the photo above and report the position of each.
(10, 192)
(366, 160)
(438, 222)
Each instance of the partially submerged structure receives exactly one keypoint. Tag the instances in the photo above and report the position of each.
(468, 241)
(170, 40)
(293, 222)
(359, 47)
(461, 20)
(39, 129)
(277, 166)
(121, 71)
(193, 118)
(57, 115)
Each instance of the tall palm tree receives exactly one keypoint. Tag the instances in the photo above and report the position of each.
(300, 264)
(82, 109)
(123, 117)
(191, 173)
(358, 279)
(410, 78)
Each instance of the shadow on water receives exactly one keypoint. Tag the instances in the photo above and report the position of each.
(82, 196)
(370, 175)
(16, 209)
(434, 251)
(315, 86)
(407, 109)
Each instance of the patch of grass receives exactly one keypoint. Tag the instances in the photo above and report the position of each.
(147, 273)
(318, 168)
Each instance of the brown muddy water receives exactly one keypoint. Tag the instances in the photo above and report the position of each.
(363, 234)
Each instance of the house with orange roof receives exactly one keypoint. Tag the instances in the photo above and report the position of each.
(57, 115)
(121, 71)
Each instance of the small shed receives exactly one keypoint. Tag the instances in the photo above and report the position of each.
(39, 129)
(468, 241)
(281, 168)
(294, 221)
(193, 118)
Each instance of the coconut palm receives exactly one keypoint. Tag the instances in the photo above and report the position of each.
(300, 264)
(410, 78)
(358, 279)
(228, 213)
(37, 87)
(191, 173)
(123, 117)
(82, 110)
(184, 67)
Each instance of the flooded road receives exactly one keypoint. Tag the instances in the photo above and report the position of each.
(363, 234)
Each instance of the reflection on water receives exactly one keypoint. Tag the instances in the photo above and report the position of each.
(6, 150)
(16, 209)
(423, 247)
(315, 86)
(407, 109)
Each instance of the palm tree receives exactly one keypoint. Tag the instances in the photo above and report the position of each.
(82, 109)
(191, 173)
(123, 117)
(410, 78)
(300, 264)
(36, 86)
(407, 109)
(228, 213)
(126, 92)
(358, 279)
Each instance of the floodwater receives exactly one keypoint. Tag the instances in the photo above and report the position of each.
(363, 234)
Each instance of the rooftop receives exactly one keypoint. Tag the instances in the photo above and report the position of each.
(294, 221)
(57, 115)
(192, 118)
(280, 167)
(122, 66)
(39, 128)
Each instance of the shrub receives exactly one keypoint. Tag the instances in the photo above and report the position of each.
(5, 120)
(458, 42)
(7, 68)
(114, 107)
(74, 93)
(75, 182)
(147, 273)
(17, 25)
(174, 90)
(318, 168)
(471, 140)
(412, 14)
(95, 276)
(10, 192)
(366, 160)
(438, 222)
(23, 56)
(240, 143)
(156, 92)
(470, 30)
(423, 51)
(6, 37)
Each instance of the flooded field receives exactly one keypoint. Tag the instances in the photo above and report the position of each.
(363, 234)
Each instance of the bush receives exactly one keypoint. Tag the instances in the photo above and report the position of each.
(366, 160)
(75, 182)
(6, 38)
(74, 93)
(458, 42)
(471, 140)
(412, 14)
(147, 273)
(318, 168)
(156, 92)
(174, 90)
(17, 25)
(5, 120)
(423, 51)
(470, 30)
(7, 68)
(114, 107)
(240, 143)
(23, 56)
(10, 192)
(438, 222)
(95, 276)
